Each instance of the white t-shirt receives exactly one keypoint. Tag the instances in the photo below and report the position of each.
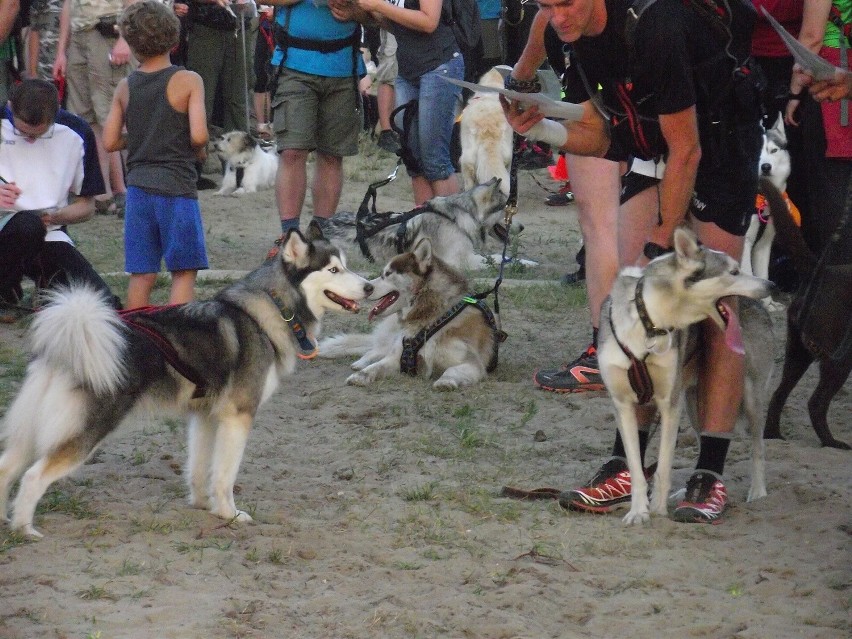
(45, 170)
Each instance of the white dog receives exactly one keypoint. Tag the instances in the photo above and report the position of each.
(775, 165)
(486, 137)
(248, 167)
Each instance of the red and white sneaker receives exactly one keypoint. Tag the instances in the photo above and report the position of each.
(607, 489)
(705, 500)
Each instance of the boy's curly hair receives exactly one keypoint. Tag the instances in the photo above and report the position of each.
(149, 27)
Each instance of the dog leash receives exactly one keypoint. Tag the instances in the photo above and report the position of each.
(309, 349)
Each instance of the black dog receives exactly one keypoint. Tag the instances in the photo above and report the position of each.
(818, 322)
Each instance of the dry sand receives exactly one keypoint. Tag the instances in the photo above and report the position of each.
(377, 511)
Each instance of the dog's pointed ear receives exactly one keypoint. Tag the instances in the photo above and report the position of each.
(295, 249)
(779, 129)
(686, 244)
(423, 253)
(314, 232)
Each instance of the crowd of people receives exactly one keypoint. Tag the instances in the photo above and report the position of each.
(655, 148)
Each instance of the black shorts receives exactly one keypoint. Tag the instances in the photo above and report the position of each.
(632, 184)
(726, 184)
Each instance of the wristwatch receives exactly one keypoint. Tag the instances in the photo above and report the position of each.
(653, 251)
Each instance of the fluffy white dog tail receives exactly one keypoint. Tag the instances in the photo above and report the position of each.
(80, 333)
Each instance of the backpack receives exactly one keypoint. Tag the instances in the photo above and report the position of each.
(463, 18)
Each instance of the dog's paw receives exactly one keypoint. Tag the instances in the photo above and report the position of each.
(239, 191)
(242, 516)
(359, 379)
(28, 531)
(636, 518)
(443, 384)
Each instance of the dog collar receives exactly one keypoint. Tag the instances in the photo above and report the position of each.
(309, 349)
(651, 330)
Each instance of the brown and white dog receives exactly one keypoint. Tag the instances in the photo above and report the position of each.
(414, 293)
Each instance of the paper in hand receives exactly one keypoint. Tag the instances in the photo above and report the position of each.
(816, 66)
(548, 107)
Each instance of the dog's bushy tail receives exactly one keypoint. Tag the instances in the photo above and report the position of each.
(788, 234)
(79, 332)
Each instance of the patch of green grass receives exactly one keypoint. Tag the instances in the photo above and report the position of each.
(406, 565)
(129, 567)
(59, 501)
(199, 547)
(11, 539)
(424, 492)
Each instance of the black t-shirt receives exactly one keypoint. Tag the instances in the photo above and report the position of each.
(673, 47)
(418, 52)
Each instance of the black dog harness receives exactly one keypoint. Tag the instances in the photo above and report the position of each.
(369, 222)
(412, 345)
(638, 375)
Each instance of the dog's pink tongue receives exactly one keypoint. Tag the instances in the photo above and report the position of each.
(733, 332)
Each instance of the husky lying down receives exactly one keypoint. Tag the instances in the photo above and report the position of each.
(679, 290)
(458, 226)
(414, 293)
(217, 362)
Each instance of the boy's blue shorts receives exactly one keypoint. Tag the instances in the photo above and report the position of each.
(161, 227)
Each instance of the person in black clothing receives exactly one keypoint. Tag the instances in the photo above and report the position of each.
(656, 78)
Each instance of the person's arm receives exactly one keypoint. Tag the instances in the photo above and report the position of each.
(113, 135)
(60, 63)
(80, 210)
(814, 19)
(588, 136)
(198, 133)
(680, 131)
(8, 12)
(424, 19)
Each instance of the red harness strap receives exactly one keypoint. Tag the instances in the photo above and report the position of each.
(164, 346)
(638, 375)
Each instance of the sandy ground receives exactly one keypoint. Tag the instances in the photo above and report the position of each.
(377, 511)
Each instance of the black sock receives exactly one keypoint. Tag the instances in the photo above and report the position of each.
(595, 337)
(712, 453)
(618, 446)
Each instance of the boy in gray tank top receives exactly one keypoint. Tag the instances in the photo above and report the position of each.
(162, 108)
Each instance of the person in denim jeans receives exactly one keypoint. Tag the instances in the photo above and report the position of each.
(426, 51)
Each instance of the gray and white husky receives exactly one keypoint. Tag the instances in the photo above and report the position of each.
(677, 291)
(775, 166)
(217, 362)
(458, 226)
(414, 294)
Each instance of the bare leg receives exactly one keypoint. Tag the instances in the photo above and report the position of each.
(327, 184)
(183, 287)
(596, 187)
(721, 376)
(139, 289)
(386, 97)
(291, 183)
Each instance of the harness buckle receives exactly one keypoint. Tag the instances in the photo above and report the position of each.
(511, 209)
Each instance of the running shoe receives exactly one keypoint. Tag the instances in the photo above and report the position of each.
(602, 493)
(705, 500)
(578, 376)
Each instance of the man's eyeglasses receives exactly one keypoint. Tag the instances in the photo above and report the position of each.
(33, 132)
